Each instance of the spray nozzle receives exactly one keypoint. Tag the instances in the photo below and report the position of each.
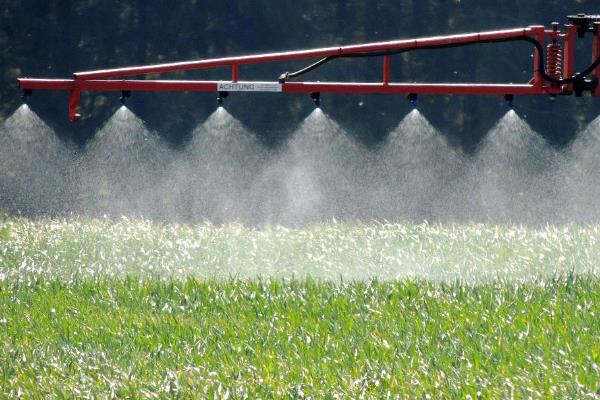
(221, 95)
(26, 94)
(316, 97)
(509, 99)
(414, 100)
(125, 94)
(582, 84)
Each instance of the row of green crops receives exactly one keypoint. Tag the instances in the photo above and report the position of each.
(250, 339)
(130, 308)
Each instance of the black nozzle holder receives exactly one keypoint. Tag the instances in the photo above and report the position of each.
(221, 95)
(316, 96)
(26, 94)
(125, 94)
(582, 84)
(413, 98)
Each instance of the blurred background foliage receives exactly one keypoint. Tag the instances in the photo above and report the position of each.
(54, 38)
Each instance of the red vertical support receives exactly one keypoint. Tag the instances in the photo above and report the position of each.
(569, 54)
(235, 72)
(387, 64)
(74, 97)
(539, 32)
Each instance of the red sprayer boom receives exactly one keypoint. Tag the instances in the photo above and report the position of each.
(553, 69)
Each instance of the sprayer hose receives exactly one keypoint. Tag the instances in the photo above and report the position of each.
(538, 46)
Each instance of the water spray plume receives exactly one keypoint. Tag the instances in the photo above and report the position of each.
(213, 179)
(34, 166)
(582, 175)
(417, 172)
(225, 174)
(515, 173)
(317, 175)
(121, 169)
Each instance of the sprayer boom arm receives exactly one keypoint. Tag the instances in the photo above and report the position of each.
(540, 84)
(304, 54)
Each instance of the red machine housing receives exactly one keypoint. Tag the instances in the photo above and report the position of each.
(560, 62)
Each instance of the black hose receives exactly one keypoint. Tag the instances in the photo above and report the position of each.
(538, 46)
(591, 68)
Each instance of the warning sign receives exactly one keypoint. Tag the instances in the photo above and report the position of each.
(249, 87)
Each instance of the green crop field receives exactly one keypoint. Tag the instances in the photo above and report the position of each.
(130, 308)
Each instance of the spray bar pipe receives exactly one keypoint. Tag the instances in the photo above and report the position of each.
(112, 79)
(288, 87)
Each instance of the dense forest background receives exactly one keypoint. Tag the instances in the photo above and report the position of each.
(54, 38)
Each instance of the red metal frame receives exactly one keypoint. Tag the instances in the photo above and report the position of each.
(112, 79)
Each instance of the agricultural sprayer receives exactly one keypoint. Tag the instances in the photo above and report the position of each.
(554, 73)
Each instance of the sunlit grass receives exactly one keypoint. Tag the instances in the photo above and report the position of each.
(75, 249)
(135, 309)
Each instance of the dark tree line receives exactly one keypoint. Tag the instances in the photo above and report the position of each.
(54, 38)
